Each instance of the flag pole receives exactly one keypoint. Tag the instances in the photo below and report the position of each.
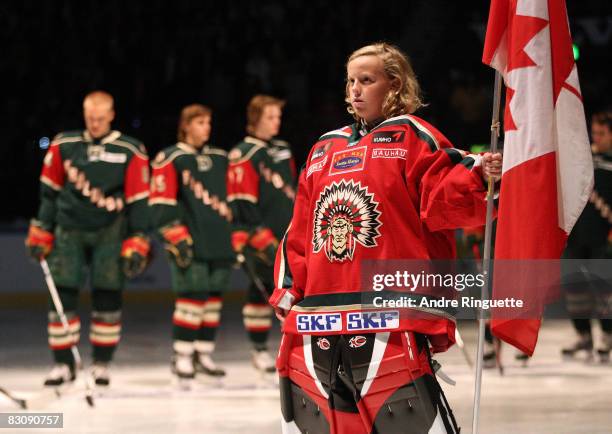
(486, 257)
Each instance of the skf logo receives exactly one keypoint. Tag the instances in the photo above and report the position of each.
(373, 320)
(388, 137)
(323, 343)
(357, 341)
(328, 322)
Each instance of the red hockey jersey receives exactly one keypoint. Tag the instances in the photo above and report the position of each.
(395, 192)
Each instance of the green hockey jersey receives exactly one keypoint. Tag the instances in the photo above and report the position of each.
(261, 185)
(87, 183)
(188, 186)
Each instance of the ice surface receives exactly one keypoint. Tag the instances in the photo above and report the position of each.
(548, 396)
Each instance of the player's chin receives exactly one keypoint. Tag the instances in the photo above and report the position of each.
(360, 108)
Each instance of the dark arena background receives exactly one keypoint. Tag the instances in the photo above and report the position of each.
(155, 57)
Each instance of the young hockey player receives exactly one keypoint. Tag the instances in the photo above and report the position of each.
(389, 186)
(260, 191)
(92, 216)
(191, 214)
(189, 210)
(591, 238)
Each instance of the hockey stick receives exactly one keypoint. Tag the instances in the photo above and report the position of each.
(20, 402)
(57, 302)
(244, 264)
(498, 360)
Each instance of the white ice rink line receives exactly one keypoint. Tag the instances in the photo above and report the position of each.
(549, 396)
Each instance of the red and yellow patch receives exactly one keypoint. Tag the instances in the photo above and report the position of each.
(349, 160)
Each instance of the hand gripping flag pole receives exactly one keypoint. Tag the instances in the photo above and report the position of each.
(57, 302)
(486, 257)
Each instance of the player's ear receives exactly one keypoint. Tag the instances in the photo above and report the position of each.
(112, 115)
(395, 84)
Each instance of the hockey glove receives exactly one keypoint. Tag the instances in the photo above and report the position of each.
(178, 244)
(239, 240)
(39, 242)
(265, 244)
(135, 255)
(282, 300)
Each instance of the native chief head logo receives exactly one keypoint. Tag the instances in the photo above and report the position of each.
(345, 215)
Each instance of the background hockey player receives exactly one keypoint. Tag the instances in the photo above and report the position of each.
(92, 216)
(260, 187)
(591, 238)
(389, 186)
(189, 210)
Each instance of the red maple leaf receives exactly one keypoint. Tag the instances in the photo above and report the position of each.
(561, 48)
(509, 124)
(522, 30)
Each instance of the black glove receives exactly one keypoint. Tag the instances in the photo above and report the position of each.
(39, 242)
(178, 244)
(135, 253)
(268, 254)
(264, 244)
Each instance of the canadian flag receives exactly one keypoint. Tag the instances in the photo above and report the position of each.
(547, 172)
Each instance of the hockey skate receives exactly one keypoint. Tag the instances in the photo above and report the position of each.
(263, 362)
(489, 357)
(522, 358)
(606, 346)
(204, 364)
(61, 374)
(183, 369)
(99, 373)
(584, 343)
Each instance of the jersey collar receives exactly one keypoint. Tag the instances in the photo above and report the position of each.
(111, 136)
(256, 141)
(187, 147)
(367, 127)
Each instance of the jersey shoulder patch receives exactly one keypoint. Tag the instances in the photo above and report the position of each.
(246, 150)
(235, 154)
(167, 155)
(320, 149)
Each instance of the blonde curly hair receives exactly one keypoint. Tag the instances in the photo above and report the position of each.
(405, 97)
